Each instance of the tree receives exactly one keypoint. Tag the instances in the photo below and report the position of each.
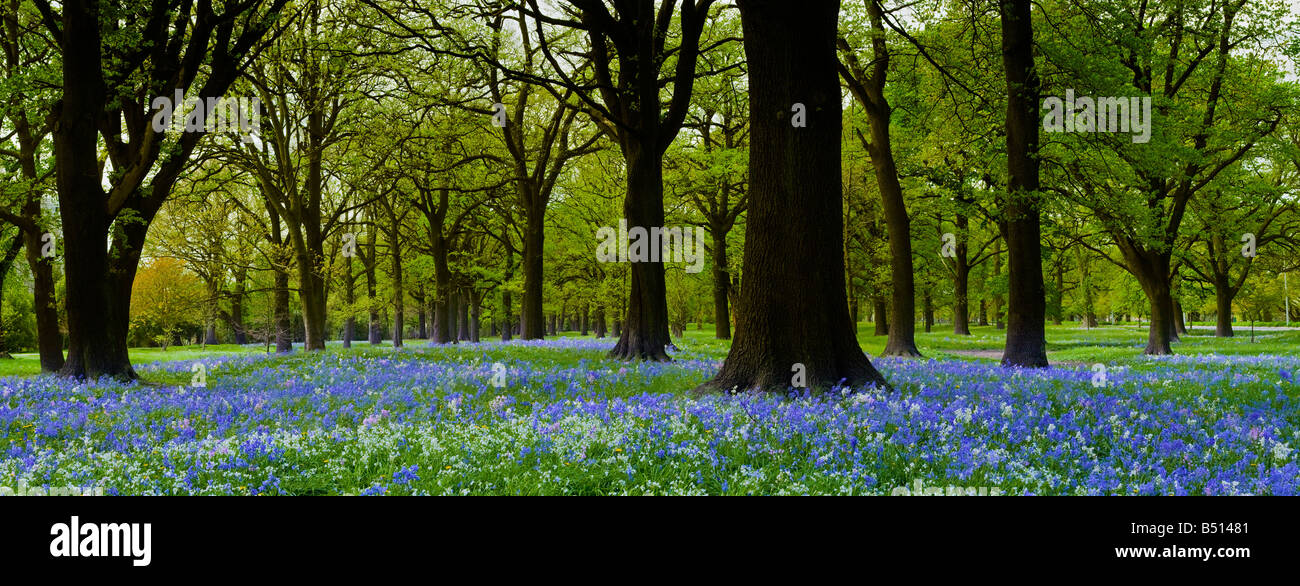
(1026, 343)
(109, 81)
(629, 53)
(795, 218)
(31, 77)
(166, 299)
(1212, 102)
(869, 90)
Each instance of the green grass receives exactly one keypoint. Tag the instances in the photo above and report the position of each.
(28, 364)
(1067, 343)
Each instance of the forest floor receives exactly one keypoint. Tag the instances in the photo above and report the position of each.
(555, 417)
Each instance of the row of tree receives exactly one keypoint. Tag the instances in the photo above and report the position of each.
(452, 159)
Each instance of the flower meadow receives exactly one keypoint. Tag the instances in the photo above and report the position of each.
(564, 420)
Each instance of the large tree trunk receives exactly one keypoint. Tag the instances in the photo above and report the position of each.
(1026, 304)
(1058, 298)
(213, 309)
(880, 310)
(399, 292)
(1161, 331)
(49, 342)
(373, 335)
(350, 297)
(793, 327)
(961, 279)
(283, 321)
(96, 347)
(996, 298)
(928, 311)
(721, 282)
(311, 294)
(463, 301)
(237, 307)
(1223, 312)
(645, 332)
(1180, 327)
(869, 89)
(421, 316)
(475, 314)
(507, 314)
(534, 242)
(7, 263)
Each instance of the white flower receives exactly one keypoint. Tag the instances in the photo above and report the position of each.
(1281, 451)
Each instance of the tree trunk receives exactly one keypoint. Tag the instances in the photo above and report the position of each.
(1223, 312)
(928, 310)
(1180, 327)
(49, 342)
(96, 347)
(793, 326)
(507, 310)
(1026, 304)
(283, 321)
(475, 314)
(645, 333)
(6, 263)
(399, 292)
(880, 309)
(721, 282)
(463, 301)
(534, 242)
(213, 308)
(237, 308)
(1058, 298)
(961, 279)
(453, 316)
(869, 90)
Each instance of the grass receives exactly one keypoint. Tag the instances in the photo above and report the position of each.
(1068, 343)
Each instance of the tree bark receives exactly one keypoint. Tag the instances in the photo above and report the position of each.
(1026, 343)
(721, 284)
(880, 310)
(793, 325)
(869, 90)
(1223, 312)
(961, 278)
(475, 314)
(49, 342)
(96, 342)
(645, 333)
(600, 321)
(534, 242)
(399, 289)
(928, 310)
(1180, 327)
(6, 263)
(463, 301)
(237, 307)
